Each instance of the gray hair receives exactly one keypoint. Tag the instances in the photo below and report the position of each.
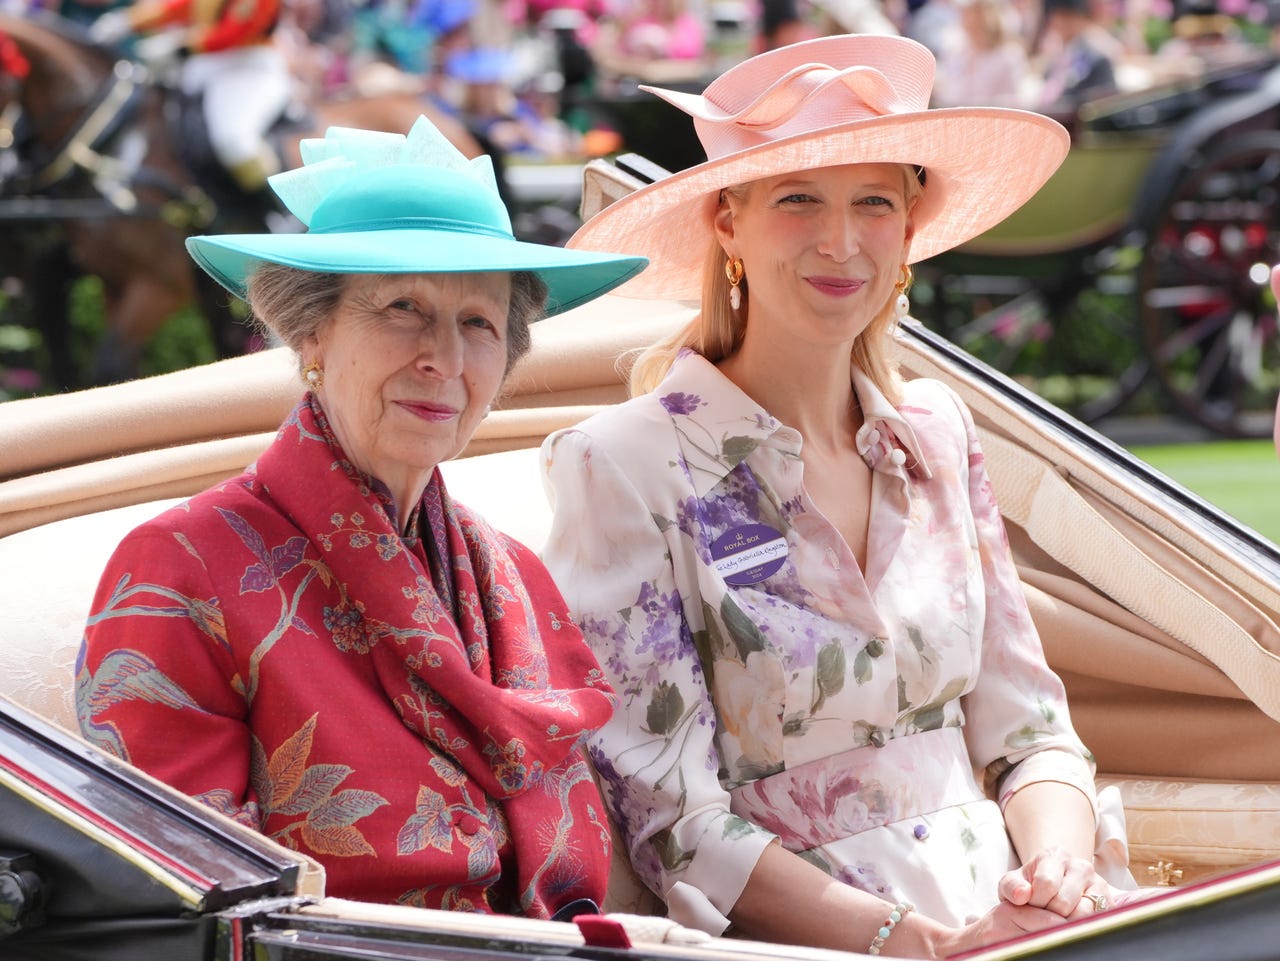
(294, 305)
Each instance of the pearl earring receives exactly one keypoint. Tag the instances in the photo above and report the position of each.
(733, 269)
(313, 374)
(902, 306)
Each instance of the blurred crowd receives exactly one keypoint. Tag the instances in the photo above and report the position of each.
(524, 74)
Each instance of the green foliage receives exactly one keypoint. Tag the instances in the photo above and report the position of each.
(184, 341)
(1067, 338)
(1240, 477)
(25, 370)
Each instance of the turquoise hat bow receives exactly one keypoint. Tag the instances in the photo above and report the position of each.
(390, 203)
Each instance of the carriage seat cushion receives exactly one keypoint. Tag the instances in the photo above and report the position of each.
(1185, 830)
(50, 574)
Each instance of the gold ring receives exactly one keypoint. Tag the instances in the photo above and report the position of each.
(1099, 902)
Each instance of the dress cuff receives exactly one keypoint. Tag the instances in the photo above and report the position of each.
(715, 879)
(1051, 764)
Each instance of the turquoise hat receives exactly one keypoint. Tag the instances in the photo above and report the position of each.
(383, 203)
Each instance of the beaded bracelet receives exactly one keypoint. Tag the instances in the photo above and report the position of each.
(900, 911)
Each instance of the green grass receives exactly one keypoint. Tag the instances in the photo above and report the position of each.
(1241, 478)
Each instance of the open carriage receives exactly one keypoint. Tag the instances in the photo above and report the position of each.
(1161, 614)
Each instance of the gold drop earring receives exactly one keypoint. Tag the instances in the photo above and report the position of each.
(902, 306)
(733, 269)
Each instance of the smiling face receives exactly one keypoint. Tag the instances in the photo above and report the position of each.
(822, 249)
(411, 363)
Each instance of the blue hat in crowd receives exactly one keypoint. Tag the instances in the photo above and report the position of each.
(481, 65)
(382, 203)
(442, 16)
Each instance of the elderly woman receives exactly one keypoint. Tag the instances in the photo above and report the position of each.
(790, 561)
(328, 647)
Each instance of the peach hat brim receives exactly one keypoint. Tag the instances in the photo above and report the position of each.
(981, 163)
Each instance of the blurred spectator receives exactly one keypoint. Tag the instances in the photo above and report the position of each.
(657, 40)
(1127, 21)
(1201, 31)
(544, 133)
(734, 31)
(380, 33)
(854, 16)
(565, 36)
(661, 30)
(518, 125)
(985, 63)
(531, 14)
(781, 23)
(407, 33)
(1080, 57)
(930, 22)
(315, 36)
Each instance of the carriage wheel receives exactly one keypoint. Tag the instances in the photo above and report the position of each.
(1207, 315)
(1064, 326)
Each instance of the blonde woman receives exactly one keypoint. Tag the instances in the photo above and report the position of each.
(986, 63)
(790, 562)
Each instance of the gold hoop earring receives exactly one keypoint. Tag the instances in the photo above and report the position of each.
(734, 270)
(313, 374)
(902, 306)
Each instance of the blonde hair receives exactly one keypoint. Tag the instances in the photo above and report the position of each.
(717, 330)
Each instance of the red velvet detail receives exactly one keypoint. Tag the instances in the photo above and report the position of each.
(602, 931)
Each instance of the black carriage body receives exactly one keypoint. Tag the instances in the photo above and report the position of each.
(124, 868)
(112, 864)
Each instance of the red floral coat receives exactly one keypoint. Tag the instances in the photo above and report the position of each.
(409, 712)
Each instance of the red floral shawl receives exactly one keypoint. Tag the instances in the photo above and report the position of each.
(474, 650)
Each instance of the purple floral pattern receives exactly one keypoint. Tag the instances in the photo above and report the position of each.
(725, 690)
(679, 403)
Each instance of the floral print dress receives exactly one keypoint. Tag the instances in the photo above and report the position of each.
(874, 721)
(408, 711)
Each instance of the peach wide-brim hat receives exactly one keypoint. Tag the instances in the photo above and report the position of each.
(854, 98)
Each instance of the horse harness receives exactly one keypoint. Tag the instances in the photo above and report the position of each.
(98, 144)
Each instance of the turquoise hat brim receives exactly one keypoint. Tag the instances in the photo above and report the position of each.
(573, 277)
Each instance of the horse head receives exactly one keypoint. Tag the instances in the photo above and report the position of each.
(94, 161)
(53, 79)
(91, 161)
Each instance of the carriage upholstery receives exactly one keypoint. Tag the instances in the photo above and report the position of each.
(1168, 643)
